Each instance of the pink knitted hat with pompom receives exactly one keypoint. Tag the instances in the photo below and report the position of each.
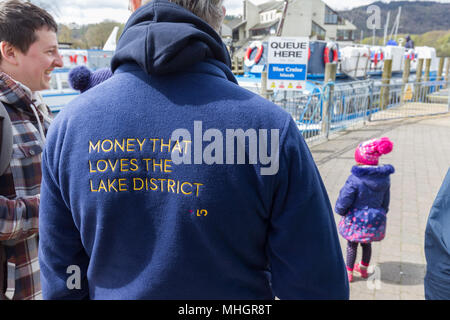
(369, 152)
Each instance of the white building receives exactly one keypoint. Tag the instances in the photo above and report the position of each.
(289, 18)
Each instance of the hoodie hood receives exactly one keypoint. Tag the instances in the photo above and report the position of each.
(162, 38)
(374, 177)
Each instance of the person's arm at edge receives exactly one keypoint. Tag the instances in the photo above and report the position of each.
(387, 199)
(346, 198)
(305, 254)
(60, 244)
(19, 218)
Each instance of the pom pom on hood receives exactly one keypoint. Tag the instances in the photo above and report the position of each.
(82, 79)
(79, 78)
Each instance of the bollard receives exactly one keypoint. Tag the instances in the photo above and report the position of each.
(426, 88)
(386, 80)
(234, 65)
(330, 77)
(439, 76)
(417, 87)
(446, 72)
(265, 93)
(427, 70)
(370, 104)
(240, 66)
(405, 79)
(264, 84)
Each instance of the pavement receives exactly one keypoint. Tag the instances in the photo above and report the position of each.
(421, 157)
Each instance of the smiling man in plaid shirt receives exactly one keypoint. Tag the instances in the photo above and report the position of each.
(28, 54)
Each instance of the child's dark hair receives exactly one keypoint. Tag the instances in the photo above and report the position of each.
(18, 22)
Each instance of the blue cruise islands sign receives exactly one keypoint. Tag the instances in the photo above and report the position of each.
(287, 63)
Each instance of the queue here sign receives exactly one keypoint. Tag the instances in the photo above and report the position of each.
(287, 63)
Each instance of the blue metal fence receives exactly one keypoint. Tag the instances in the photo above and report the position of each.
(335, 107)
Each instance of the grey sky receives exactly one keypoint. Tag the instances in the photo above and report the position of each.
(94, 11)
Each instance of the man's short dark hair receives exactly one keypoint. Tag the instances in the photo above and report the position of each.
(18, 22)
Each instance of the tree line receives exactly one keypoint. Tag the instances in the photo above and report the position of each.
(91, 36)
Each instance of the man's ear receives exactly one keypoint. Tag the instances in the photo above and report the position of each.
(9, 52)
(135, 4)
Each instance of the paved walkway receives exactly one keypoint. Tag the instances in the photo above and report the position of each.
(421, 157)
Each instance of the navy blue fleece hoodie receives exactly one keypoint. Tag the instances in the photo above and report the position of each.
(119, 208)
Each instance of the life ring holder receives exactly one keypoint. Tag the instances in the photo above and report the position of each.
(378, 57)
(411, 55)
(254, 45)
(331, 46)
(74, 58)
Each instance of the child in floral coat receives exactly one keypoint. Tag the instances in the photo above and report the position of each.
(364, 202)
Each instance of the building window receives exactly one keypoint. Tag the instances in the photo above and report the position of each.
(264, 32)
(260, 32)
(331, 17)
(345, 35)
(236, 35)
(318, 31)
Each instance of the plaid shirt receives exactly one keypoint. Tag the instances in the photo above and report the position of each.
(19, 195)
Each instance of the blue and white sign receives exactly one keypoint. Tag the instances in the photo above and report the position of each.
(287, 63)
(287, 72)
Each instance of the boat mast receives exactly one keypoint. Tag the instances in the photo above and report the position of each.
(386, 27)
(396, 24)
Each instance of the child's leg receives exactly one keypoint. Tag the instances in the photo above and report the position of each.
(366, 253)
(352, 248)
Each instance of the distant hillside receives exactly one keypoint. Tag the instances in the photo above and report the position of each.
(417, 17)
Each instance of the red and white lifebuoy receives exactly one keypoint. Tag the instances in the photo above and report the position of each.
(368, 54)
(254, 45)
(73, 59)
(378, 57)
(410, 55)
(331, 46)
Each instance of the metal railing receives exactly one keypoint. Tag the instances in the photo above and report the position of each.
(409, 100)
(306, 110)
(335, 107)
(351, 102)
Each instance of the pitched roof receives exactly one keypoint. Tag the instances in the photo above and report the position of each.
(234, 22)
(265, 25)
(271, 5)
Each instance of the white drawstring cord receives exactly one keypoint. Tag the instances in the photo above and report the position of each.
(41, 131)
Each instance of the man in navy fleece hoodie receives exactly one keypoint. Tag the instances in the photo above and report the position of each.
(145, 196)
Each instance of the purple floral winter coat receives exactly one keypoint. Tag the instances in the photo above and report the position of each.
(364, 202)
